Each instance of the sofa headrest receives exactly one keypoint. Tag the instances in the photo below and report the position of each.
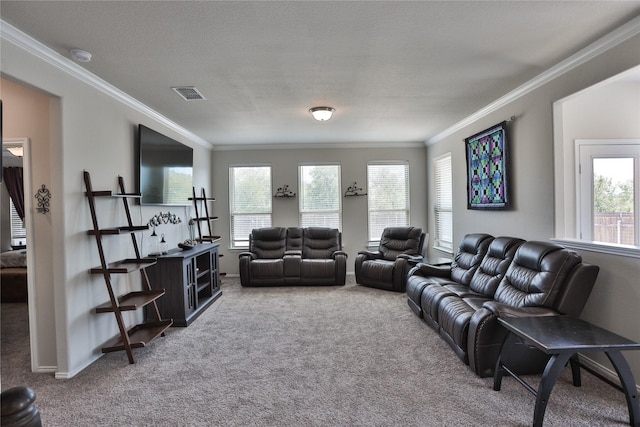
(537, 275)
(268, 243)
(530, 254)
(319, 242)
(471, 251)
(503, 247)
(401, 240)
(473, 243)
(294, 239)
(494, 265)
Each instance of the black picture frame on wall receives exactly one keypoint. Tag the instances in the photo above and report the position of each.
(487, 169)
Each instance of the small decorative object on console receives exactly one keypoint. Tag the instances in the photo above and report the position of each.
(187, 244)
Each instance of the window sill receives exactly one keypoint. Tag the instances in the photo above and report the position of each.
(604, 248)
(446, 251)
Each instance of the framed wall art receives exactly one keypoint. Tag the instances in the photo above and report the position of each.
(487, 174)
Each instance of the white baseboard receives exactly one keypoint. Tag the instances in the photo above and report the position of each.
(603, 370)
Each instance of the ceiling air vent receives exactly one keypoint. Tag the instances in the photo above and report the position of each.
(189, 93)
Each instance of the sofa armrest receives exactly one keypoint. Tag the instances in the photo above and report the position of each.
(293, 253)
(371, 254)
(504, 310)
(339, 253)
(411, 258)
(250, 255)
(427, 270)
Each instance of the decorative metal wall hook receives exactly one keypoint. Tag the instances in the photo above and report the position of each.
(164, 218)
(354, 190)
(284, 192)
(43, 196)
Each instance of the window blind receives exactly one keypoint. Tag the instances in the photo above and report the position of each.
(320, 197)
(250, 201)
(388, 197)
(443, 203)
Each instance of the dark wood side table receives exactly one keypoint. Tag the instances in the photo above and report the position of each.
(563, 337)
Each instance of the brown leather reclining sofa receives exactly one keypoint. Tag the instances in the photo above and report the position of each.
(281, 256)
(498, 277)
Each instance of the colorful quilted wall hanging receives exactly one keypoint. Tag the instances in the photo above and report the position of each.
(487, 177)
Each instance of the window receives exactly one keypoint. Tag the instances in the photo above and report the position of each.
(320, 201)
(609, 194)
(249, 201)
(388, 197)
(18, 232)
(443, 203)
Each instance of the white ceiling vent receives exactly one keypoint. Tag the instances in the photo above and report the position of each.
(189, 93)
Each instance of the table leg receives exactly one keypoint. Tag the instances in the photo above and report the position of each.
(628, 384)
(575, 370)
(498, 371)
(552, 371)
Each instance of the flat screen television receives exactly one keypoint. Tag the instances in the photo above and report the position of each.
(165, 169)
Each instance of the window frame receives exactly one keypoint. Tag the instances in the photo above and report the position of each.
(301, 190)
(585, 151)
(440, 243)
(237, 243)
(407, 209)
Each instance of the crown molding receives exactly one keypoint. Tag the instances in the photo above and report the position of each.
(27, 43)
(596, 48)
(318, 145)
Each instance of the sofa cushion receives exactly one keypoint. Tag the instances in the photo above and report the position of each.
(472, 249)
(320, 243)
(494, 265)
(268, 243)
(536, 274)
(267, 268)
(400, 240)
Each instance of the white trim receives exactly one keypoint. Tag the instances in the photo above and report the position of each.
(31, 262)
(603, 248)
(60, 375)
(34, 47)
(609, 374)
(316, 145)
(596, 48)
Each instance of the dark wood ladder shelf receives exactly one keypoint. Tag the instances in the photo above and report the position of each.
(203, 202)
(141, 334)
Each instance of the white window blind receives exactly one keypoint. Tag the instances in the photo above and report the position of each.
(388, 197)
(443, 203)
(17, 225)
(249, 201)
(320, 197)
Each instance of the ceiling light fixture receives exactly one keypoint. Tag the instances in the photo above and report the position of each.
(322, 114)
(80, 55)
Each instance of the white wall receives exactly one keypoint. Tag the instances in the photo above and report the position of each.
(284, 165)
(95, 132)
(26, 113)
(615, 300)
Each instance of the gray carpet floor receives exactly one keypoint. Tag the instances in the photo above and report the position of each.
(295, 356)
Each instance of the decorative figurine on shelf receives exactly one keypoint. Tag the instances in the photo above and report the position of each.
(154, 244)
(284, 192)
(164, 246)
(354, 190)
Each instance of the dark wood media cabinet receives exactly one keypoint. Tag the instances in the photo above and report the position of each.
(190, 279)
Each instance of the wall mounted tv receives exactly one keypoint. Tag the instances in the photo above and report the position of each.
(165, 169)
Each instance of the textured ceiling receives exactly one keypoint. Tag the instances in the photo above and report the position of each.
(395, 71)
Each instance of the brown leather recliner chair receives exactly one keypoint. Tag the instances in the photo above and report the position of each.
(387, 267)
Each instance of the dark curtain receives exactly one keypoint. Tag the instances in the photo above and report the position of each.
(13, 180)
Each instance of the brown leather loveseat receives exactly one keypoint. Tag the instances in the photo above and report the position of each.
(498, 277)
(281, 256)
